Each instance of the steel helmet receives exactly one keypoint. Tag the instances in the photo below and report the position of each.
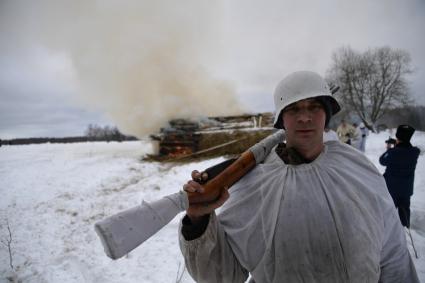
(298, 86)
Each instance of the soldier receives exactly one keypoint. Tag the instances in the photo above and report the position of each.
(313, 212)
(345, 132)
(365, 133)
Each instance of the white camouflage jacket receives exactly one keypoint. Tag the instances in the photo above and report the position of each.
(331, 220)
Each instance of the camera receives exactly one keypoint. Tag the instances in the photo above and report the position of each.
(391, 141)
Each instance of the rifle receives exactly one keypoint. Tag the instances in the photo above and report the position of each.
(126, 230)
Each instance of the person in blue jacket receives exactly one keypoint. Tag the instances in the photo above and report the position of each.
(399, 175)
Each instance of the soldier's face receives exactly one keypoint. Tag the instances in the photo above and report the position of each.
(304, 122)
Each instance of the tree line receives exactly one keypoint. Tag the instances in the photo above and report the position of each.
(106, 133)
(91, 134)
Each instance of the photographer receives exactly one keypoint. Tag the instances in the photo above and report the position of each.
(400, 159)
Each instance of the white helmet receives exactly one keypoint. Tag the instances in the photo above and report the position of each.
(298, 86)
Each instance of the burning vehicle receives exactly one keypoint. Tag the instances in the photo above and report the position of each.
(210, 136)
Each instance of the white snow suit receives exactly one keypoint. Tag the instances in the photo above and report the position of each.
(331, 220)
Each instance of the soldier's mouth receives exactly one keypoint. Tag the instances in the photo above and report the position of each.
(305, 131)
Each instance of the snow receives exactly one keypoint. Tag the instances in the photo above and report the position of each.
(52, 194)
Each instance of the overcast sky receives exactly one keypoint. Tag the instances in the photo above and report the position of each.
(136, 64)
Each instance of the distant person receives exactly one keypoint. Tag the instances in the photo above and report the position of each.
(329, 135)
(399, 175)
(356, 139)
(345, 132)
(365, 133)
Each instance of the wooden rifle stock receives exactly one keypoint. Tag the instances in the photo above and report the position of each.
(126, 230)
(225, 179)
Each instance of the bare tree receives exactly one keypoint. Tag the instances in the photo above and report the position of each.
(371, 83)
(104, 133)
(7, 242)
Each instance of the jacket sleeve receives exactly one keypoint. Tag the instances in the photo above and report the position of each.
(383, 160)
(396, 263)
(210, 258)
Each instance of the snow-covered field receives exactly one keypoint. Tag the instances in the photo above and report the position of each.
(52, 194)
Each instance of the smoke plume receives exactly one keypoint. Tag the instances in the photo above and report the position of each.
(141, 62)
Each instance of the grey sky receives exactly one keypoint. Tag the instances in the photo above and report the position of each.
(135, 64)
(37, 101)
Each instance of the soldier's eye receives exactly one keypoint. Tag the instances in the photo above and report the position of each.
(292, 110)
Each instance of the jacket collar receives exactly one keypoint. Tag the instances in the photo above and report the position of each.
(403, 144)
